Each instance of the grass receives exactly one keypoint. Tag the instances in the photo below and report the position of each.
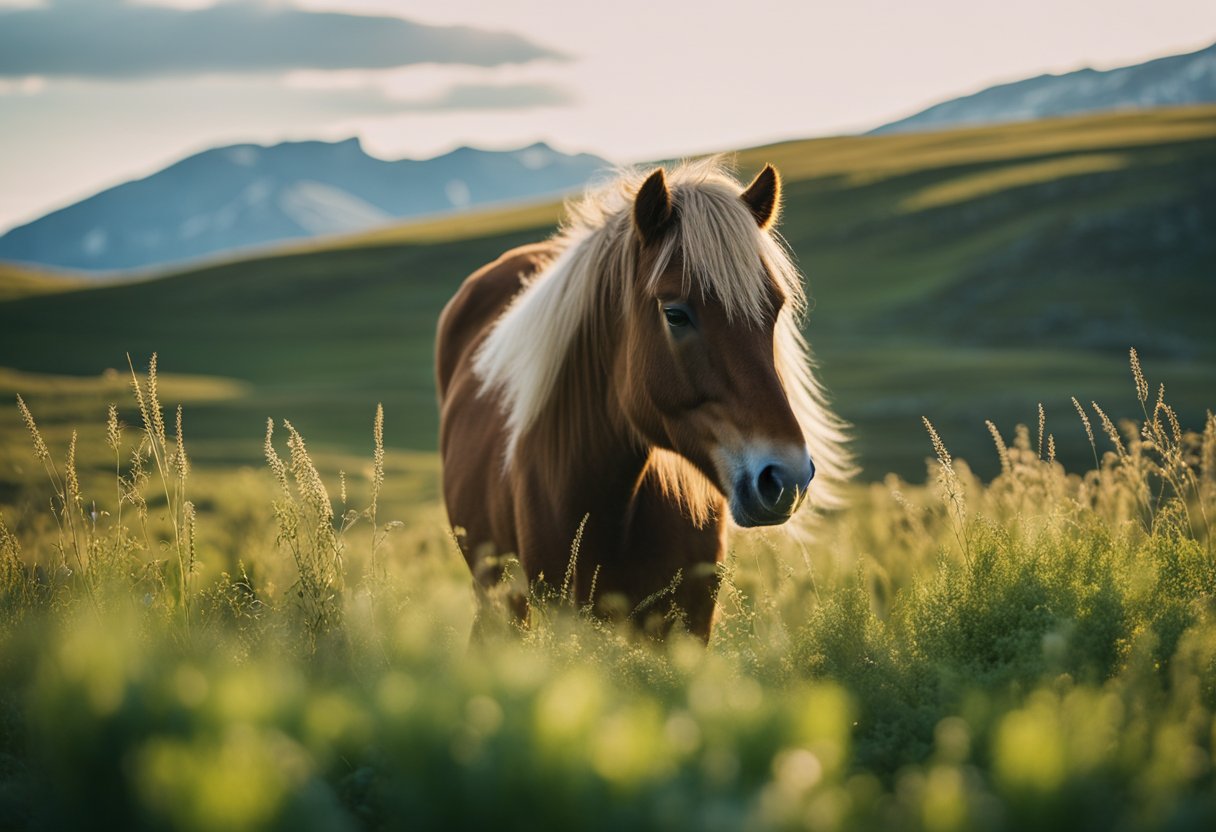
(966, 188)
(19, 282)
(969, 274)
(1038, 651)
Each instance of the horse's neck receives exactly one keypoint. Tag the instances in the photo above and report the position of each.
(580, 447)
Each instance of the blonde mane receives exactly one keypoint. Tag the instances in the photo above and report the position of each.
(723, 251)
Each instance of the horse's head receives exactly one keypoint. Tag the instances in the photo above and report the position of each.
(701, 375)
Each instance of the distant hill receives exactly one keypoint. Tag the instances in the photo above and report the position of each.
(248, 195)
(1164, 82)
(963, 275)
(19, 282)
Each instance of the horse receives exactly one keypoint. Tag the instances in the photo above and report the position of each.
(610, 397)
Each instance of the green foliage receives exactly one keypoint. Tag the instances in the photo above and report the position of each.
(1036, 652)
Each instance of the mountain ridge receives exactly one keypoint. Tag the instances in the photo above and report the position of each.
(242, 196)
(1171, 80)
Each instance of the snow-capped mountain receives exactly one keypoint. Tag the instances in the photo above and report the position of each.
(1172, 81)
(247, 195)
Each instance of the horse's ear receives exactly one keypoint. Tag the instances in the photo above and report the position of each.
(652, 210)
(763, 196)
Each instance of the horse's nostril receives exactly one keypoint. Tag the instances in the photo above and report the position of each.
(771, 486)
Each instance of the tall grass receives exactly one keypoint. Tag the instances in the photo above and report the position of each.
(1038, 651)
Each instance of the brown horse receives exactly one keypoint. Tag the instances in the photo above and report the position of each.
(634, 377)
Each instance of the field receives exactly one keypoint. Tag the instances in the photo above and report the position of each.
(206, 626)
(1037, 652)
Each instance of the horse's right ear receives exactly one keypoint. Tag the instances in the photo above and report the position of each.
(763, 196)
(652, 210)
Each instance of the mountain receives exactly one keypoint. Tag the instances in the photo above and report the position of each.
(1171, 81)
(248, 195)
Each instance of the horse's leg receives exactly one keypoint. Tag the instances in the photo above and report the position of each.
(665, 543)
(501, 609)
(698, 598)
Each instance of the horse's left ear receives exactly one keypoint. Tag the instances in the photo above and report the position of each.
(763, 196)
(652, 209)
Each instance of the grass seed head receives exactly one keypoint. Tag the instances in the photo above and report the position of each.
(137, 477)
(939, 447)
(41, 452)
(1207, 450)
(277, 467)
(308, 479)
(72, 480)
(1089, 431)
(191, 518)
(158, 418)
(113, 429)
(1002, 449)
(140, 400)
(1042, 426)
(1138, 376)
(1109, 428)
(378, 453)
(182, 462)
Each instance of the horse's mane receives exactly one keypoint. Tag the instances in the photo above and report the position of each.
(723, 251)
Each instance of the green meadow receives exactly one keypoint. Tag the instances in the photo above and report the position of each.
(212, 623)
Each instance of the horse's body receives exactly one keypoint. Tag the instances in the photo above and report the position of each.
(606, 381)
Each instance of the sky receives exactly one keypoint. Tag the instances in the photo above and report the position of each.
(96, 92)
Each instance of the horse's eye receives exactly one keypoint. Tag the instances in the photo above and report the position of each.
(676, 317)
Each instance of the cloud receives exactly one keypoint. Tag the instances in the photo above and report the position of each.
(373, 100)
(376, 101)
(115, 40)
(492, 97)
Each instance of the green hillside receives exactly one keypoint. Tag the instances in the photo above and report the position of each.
(964, 275)
(21, 281)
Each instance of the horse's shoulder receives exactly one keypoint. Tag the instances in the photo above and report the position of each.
(480, 299)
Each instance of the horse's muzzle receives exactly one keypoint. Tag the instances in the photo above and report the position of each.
(769, 491)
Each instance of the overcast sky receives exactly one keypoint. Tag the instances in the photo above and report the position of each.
(94, 92)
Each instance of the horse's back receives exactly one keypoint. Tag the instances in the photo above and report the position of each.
(478, 302)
